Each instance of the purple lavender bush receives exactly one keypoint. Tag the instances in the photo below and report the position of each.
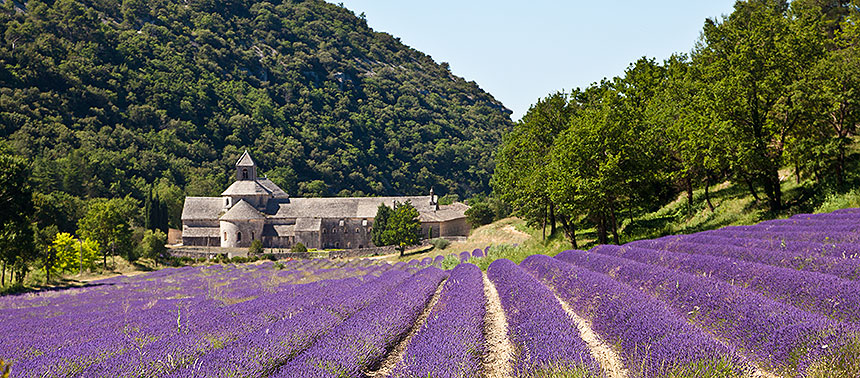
(547, 340)
(655, 342)
(779, 336)
(356, 345)
(821, 293)
(450, 344)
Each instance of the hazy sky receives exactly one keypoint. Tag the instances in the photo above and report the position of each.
(522, 50)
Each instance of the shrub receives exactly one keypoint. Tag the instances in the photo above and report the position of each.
(153, 245)
(440, 243)
(450, 262)
(270, 257)
(299, 247)
(256, 248)
(479, 214)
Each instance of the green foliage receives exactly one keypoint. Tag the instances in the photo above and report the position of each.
(73, 255)
(480, 214)
(299, 247)
(440, 243)
(380, 225)
(256, 248)
(109, 97)
(16, 232)
(401, 226)
(107, 222)
(154, 245)
(448, 199)
(450, 262)
(771, 87)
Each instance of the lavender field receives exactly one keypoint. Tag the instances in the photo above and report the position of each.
(777, 299)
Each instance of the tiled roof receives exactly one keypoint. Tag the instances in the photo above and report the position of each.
(242, 210)
(200, 232)
(202, 208)
(445, 213)
(342, 207)
(308, 224)
(246, 188)
(245, 160)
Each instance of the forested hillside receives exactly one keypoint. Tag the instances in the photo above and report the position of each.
(769, 95)
(105, 97)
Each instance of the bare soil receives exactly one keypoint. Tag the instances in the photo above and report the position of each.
(500, 351)
(396, 355)
(610, 362)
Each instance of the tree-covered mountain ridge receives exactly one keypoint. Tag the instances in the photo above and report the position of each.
(106, 97)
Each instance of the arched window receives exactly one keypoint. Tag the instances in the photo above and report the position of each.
(348, 244)
(245, 173)
(252, 235)
(238, 236)
(340, 223)
(337, 244)
(357, 230)
(225, 236)
(325, 231)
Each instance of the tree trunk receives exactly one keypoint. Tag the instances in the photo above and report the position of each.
(707, 194)
(797, 172)
(3, 275)
(752, 189)
(614, 227)
(600, 223)
(551, 219)
(543, 237)
(569, 230)
(773, 190)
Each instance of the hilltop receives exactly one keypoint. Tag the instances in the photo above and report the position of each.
(106, 96)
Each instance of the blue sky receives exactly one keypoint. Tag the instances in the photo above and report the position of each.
(520, 51)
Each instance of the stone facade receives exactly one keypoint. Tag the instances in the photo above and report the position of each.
(254, 208)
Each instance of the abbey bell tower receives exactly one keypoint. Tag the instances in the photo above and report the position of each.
(246, 169)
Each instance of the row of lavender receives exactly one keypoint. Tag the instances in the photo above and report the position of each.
(160, 321)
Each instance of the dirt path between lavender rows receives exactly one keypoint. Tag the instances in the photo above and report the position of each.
(497, 358)
(396, 355)
(610, 362)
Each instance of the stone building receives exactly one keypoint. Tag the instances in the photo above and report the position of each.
(254, 208)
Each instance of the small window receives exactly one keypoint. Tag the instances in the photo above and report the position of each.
(252, 235)
(364, 222)
(238, 236)
(333, 230)
(245, 173)
(348, 244)
(357, 230)
(325, 231)
(345, 230)
(340, 223)
(337, 244)
(225, 236)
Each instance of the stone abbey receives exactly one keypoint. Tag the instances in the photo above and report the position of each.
(254, 208)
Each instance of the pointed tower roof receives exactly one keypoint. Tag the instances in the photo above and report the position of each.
(245, 160)
(242, 211)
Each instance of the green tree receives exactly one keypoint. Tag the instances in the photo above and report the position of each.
(74, 254)
(107, 222)
(751, 60)
(154, 245)
(479, 214)
(523, 157)
(380, 224)
(403, 227)
(16, 205)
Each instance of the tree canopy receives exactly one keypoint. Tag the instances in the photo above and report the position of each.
(109, 97)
